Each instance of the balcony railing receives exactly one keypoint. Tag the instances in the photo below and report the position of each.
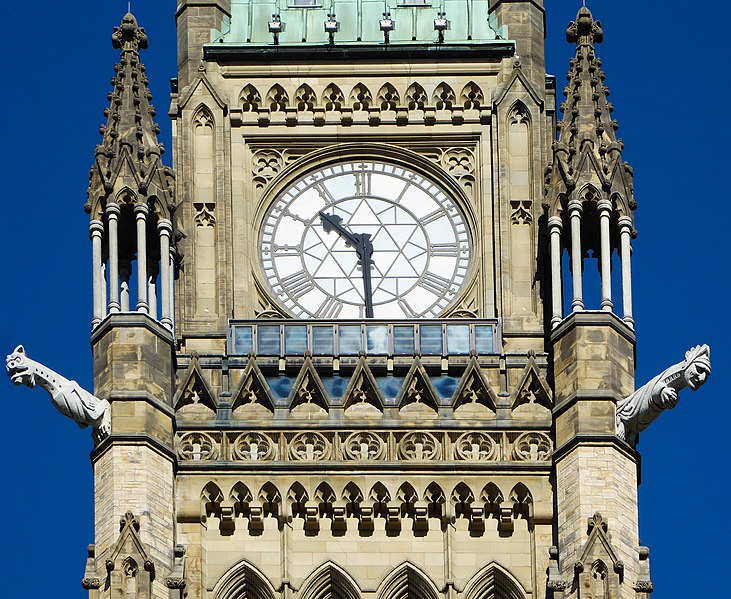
(373, 337)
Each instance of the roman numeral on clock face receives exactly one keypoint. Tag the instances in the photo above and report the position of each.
(443, 249)
(362, 183)
(297, 284)
(436, 284)
(431, 217)
(330, 308)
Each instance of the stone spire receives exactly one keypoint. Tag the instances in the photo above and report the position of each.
(589, 188)
(588, 151)
(130, 155)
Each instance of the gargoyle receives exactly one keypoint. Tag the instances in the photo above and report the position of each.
(70, 399)
(636, 412)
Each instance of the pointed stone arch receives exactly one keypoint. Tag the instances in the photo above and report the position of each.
(388, 97)
(244, 580)
(417, 397)
(494, 582)
(360, 97)
(329, 581)
(202, 117)
(416, 97)
(474, 396)
(132, 566)
(519, 113)
(308, 397)
(305, 98)
(325, 498)
(270, 499)
(194, 397)
(407, 582)
(277, 98)
(249, 98)
(522, 500)
(471, 97)
(211, 499)
(532, 396)
(444, 97)
(462, 498)
(333, 98)
(363, 397)
(252, 397)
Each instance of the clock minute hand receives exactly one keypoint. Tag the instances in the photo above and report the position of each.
(363, 246)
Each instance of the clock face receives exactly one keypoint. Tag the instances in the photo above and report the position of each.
(312, 259)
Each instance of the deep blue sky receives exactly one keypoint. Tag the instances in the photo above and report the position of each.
(667, 69)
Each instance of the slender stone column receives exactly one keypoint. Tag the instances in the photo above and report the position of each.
(575, 210)
(605, 211)
(125, 272)
(96, 231)
(555, 225)
(141, 211)
(112, 212)
(625, 234)
(165, 229)
(152, 272)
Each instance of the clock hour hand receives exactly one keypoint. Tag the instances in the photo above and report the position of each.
(363, 246)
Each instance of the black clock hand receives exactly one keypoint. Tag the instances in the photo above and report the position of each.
(363, 246)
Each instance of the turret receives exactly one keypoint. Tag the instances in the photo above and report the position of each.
(589, 188)
(131, 195)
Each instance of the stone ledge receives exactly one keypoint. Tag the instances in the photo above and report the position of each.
(131, 320)
(596, 440)
(131, 439)
(597, 318)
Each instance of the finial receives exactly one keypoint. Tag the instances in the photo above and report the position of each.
(585, 31)
(129, 36)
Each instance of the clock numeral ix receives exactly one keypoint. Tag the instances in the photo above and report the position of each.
(298, 284)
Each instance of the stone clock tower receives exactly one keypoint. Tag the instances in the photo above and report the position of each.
(343, 349)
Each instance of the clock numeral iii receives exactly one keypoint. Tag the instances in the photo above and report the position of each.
(362, 183)
(443, 249)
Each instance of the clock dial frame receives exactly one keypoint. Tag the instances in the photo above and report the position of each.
(421, 245)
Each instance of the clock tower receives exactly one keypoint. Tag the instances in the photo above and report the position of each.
(343, 348)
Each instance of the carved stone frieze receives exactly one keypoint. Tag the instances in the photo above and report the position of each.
(197, 446)
(254, 447)
(363, 445)
(476, 447)
(532, 447)
(309, 447)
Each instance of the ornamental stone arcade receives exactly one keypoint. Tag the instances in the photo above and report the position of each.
(331, 354)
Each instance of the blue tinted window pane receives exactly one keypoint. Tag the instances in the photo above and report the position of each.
(431, 340)
(268, 341)
(484, 339)
(295, 339)
(349, 338)
(458, 338)
(377, 340)
(322, 341)
(243, 340)
(403, 340)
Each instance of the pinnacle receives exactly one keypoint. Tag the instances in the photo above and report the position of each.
(129, 155)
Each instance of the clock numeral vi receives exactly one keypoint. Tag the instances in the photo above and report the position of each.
(437, 285)
(298, 284)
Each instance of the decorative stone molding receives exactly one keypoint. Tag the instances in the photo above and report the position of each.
(637, 411)
(533, 447)
(361, 445)
(67, 396)
(197, 446)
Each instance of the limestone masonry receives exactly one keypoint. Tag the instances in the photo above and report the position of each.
(337, 351)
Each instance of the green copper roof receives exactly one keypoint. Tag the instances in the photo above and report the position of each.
(358, 22)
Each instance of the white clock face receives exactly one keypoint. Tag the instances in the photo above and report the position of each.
(420, 245)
